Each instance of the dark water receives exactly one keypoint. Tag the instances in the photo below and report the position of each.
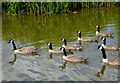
(38, 30)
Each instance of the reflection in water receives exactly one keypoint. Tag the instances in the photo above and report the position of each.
(12, 62)
(64, 65)
(29, 54)
(73, 63)
(50, 55)
(37, 31)
(114, 66)
(100, 74)
(80, 43)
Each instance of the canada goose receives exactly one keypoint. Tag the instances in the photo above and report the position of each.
(56, 50)
(89, 39)
(72, 58)
(70, 46)
(103, 33)
(109, 46)
(23, 50)
(111, 61)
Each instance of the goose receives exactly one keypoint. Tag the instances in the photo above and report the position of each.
(70, 46)
(103, 33)
(89, 39)
(29, 49)
(111, 61)
(56, 50)
(109, 46)
(72, 58)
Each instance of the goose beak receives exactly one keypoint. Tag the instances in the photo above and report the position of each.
(9, 41)
(99, 47)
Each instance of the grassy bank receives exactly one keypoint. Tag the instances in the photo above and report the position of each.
(48, 7)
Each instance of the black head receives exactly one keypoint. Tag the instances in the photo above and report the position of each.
(103, 38)
(49, 43)
(11, 40)
(62, 48)
(100, 47)
(63, 39)
(78, 31)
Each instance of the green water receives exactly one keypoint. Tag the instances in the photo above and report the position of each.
(38, 30)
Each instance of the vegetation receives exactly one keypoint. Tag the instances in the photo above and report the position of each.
(48, 7)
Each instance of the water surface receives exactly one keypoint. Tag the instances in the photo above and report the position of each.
(38, 30)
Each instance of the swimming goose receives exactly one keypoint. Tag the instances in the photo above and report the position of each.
(111, 61)
(89, 39)
(109, 46)
(56, 50)
(103, 33)
(70, 46)
(29, 49)
(72, 58)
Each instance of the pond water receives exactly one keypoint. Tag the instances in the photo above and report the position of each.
(38, 30)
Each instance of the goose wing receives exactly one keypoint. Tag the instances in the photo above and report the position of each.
(104, 33)
(27, 49)
(88, 39)
(112, 46)
(75, 58)
(72, 46)
(114, 61)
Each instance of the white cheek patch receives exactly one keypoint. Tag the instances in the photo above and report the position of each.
(97, 26)
(63, 39)
(78, 31)
(103, 38)
(48, 43)
(62, 49)
(11, 41)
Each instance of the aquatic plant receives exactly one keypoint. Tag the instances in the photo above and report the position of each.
(48, 7)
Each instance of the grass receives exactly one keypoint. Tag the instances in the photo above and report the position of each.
(37, 8)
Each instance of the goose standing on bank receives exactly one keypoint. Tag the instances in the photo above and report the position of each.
(103, 33)
(56, 50)
(70, 46)
(111, 61)
(72, 58)
(88, 39)
(29, 49)
(109, 46)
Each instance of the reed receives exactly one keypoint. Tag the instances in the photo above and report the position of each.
(48, 7)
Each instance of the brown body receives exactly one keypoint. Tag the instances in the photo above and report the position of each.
(111, 47)
(89, 39)
(114, 61)
(57, 50)
(104, 34)
(75, 58)
(71, 46)
(25, 50)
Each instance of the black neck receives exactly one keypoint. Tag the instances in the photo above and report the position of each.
(65, 52)
(104, 41)
(50, 47)
(14, 46)
(98, 29)
(80, 35)
(65, 42)
(104, 54)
